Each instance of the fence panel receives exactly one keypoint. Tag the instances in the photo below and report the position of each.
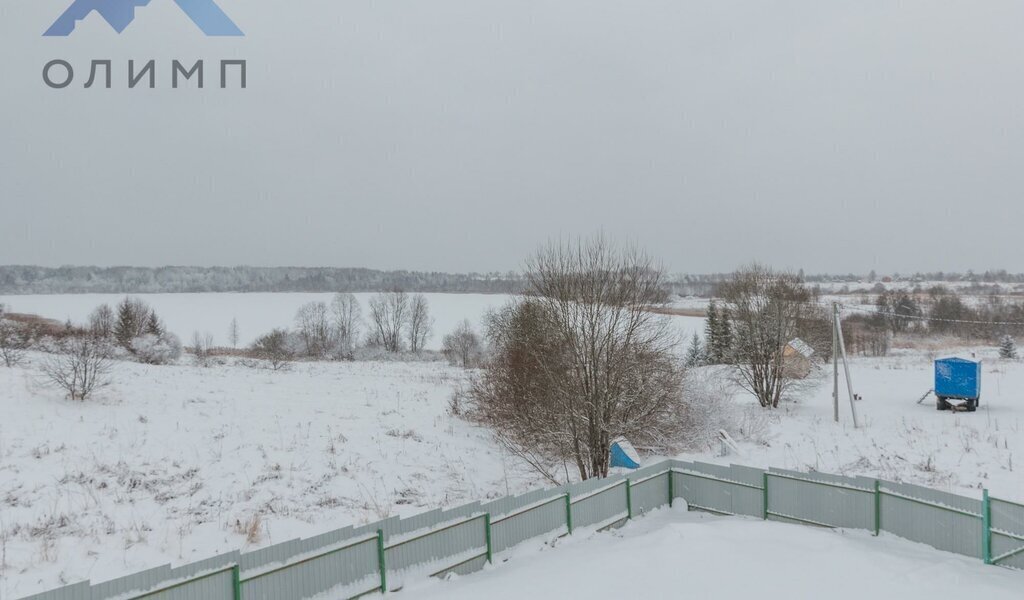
(602, 506)
(345, 569)
(1007, 533)
(436, 551)
(730, 490)
(821, 499)
(650, 490)
(940, 519)
(76, 591)
(543, 516)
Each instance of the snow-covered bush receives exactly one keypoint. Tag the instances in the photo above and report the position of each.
(707, 395)
(156, 350)
(14, 341)
(275, 348)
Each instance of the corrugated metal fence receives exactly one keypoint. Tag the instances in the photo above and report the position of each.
(352, 562)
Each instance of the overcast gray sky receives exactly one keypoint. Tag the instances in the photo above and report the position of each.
(458, 134)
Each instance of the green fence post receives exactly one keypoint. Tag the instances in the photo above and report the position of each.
(671, 489)
(487, 524)
(764, 495)
(629, 500)
(568, 513)
(236, 581)
(382, 562)
(986, 527)
(878, 508)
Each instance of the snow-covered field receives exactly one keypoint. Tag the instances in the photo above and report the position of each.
(900, 439)
(173, 463)
(675, 554)
(177, 463)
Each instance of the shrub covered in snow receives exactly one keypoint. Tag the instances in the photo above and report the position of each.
(156, 350)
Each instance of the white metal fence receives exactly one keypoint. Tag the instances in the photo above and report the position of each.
(352, 562)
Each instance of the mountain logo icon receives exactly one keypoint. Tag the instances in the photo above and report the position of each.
(120, 13)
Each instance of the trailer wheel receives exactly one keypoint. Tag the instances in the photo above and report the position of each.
(941, 404)
(972, 405)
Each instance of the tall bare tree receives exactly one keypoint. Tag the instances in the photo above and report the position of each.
(421, 324)
(580, 360)
(389, 313)
(314, 328)
(348, 320)
(101, 321)
(767, 310)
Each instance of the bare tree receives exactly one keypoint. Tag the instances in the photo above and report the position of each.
(348, 318)
(314, 328)
(421, 325)
(388, 314)
(233, 333)
(101, 322)
(14, 341)
(463, 347)
(766, 310)
(202, 347)
(273, 347)
(581, 360)
(82, 367)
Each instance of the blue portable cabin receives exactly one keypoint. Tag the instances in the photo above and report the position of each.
(957, 379)
(623, 454)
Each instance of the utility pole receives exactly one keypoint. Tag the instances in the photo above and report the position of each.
(837, 340)
(835, 361)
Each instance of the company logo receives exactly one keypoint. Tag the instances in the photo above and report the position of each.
(120, 14)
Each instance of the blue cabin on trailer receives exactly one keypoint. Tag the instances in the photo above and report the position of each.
(957, 379)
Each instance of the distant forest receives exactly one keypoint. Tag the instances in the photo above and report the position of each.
(164, 280)
(146, 280)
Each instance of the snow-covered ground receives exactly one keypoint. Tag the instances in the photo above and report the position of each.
(675, 554)
(899, 439)
(173, 463)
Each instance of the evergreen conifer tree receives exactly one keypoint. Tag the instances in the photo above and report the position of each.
(695, 354)
(710, 334)
(1007, 347)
